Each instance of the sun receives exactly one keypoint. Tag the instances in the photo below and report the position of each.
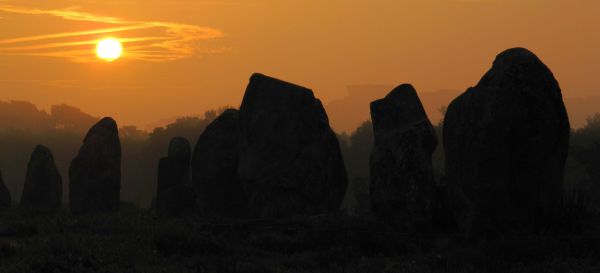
(109, 49)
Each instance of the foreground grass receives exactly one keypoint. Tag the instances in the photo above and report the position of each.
(134, 240)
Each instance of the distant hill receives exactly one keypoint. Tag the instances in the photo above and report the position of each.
(149, 127)
(26, 115)
(22, 115)
(65, 116)
(345, 114)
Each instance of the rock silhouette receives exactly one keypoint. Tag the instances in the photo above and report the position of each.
(42, 191)
(215, 168)
(506, 143)
(173, 194)
(402, 179)
(290, 160)
(5, 199)
(95, 173)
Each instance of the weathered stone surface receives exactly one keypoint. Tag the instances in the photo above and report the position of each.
(402, 180)
(290, 160)
(173, 193)
(42, 191)
(506, 143)
(95, 173)
(5, 199)
(215, 168)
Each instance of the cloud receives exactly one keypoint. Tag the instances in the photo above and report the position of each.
(175, 40)
(74, 33)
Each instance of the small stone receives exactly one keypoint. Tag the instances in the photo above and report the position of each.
(42, 191)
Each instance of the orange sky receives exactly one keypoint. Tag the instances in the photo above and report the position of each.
(186, 56)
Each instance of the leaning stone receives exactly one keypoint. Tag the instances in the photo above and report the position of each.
(290, 160)
(402, 184)
(95, 173)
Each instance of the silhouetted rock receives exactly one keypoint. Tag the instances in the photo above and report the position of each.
(42, 191)
(402, 180)
(95, 173)
(506, 143)
(5, 199)
(173, 193)
(215, 168)
(290, 160)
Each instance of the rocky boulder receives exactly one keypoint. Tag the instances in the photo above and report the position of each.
(95, 173)
(215, 168)
(173, 193)
(5, 199)
(402, 180)
(289, 158)
(42, 191)
(506, 142)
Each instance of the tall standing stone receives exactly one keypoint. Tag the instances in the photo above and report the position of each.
(402, 179)
(42, 191)
(215, 168)
(290, 160)
(506, 143)
(95, 173)
(5, 199)
(173, 194)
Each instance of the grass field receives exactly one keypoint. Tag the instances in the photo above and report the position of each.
(134, 240)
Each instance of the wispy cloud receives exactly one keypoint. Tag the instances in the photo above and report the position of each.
(175, 41)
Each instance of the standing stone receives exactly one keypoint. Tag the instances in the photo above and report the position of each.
(402, 178)
(506, 143)
(290, 160)
(215, 168)
(173, 195)
(5, 199)
(42, 191)
(95, 173)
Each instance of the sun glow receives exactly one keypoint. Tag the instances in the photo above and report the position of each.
(109, 49)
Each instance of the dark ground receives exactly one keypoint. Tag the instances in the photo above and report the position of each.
(134, 240)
